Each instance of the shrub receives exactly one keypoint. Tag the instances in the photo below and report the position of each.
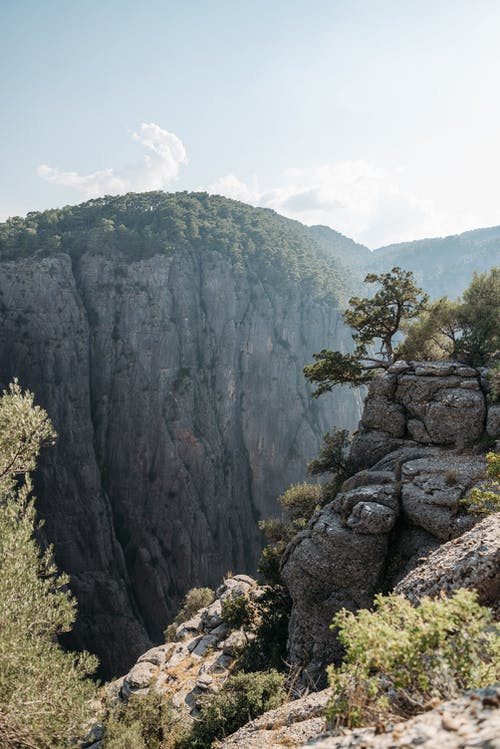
(299, 502)
(399, 657)
(267, 649)
(243, 697)
(195, 599)
(333, 458)
(238, 612)
(144, 722)
(485, 499)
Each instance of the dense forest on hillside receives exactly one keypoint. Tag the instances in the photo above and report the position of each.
(138, 226)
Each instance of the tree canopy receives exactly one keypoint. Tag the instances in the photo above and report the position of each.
(467, 329)
(137, 226)
(375, 320)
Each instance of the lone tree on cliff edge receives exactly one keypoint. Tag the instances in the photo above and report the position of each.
(374, 319)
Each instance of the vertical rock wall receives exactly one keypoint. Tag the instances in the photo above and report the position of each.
(175, 384)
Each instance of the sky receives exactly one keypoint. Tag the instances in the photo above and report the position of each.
(379, 118)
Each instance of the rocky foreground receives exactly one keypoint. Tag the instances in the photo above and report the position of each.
(418, 451)
(469, 721)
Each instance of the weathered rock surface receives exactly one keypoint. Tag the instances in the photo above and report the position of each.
(175, 384)
(469, 721)
(470, 561)
(197, 662)
(415, 461)
(289, 725)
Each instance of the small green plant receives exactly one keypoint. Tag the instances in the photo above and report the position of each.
(243, 697)
(195, 599)
(299, 502)
(333, 458)
(399, 657)
(144, 722)
(485, 499)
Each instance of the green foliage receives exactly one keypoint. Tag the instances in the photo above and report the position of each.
(399, 657)
(144, 722)
(334, 459)
(44, 691)
(380, 317)
(433, 335)
(269, 248)
(479, 319)
(376, 318)
(268, 646)
(243, 697)
(335, 368)
(238, 611)
(485, 499)
(466, 329)
(195, 599)
(299, 503)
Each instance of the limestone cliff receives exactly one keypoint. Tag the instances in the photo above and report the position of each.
(170, 361)
(417, 453)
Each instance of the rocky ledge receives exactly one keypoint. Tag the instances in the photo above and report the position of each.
(417, 453)
(469, 721)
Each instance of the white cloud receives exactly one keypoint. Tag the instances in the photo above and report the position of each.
(160, 165)
(357, 198)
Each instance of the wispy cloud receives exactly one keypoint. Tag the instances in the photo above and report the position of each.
(358, 198)
(160, 165)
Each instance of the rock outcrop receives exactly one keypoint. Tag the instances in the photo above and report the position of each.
(415, 459)
(469, 721)
(288, 726)
(470, 561)
(198, 660)
(175, 384)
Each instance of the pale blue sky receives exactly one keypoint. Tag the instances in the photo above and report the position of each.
(380, 118)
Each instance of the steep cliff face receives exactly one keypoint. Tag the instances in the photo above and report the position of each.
(416, 455)
(175, 383)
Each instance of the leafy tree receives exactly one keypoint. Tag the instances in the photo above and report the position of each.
(374, 319)
(44, 691)
(479, 319)
(466, 329)
(434, 334)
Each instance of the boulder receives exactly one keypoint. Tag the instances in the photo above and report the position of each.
(470, 561)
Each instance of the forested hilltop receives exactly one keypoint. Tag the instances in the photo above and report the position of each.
(165, 335)
(141, 225)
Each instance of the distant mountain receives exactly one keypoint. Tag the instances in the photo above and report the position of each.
(444, 265)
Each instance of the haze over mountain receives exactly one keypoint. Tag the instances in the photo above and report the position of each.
(165, 334)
